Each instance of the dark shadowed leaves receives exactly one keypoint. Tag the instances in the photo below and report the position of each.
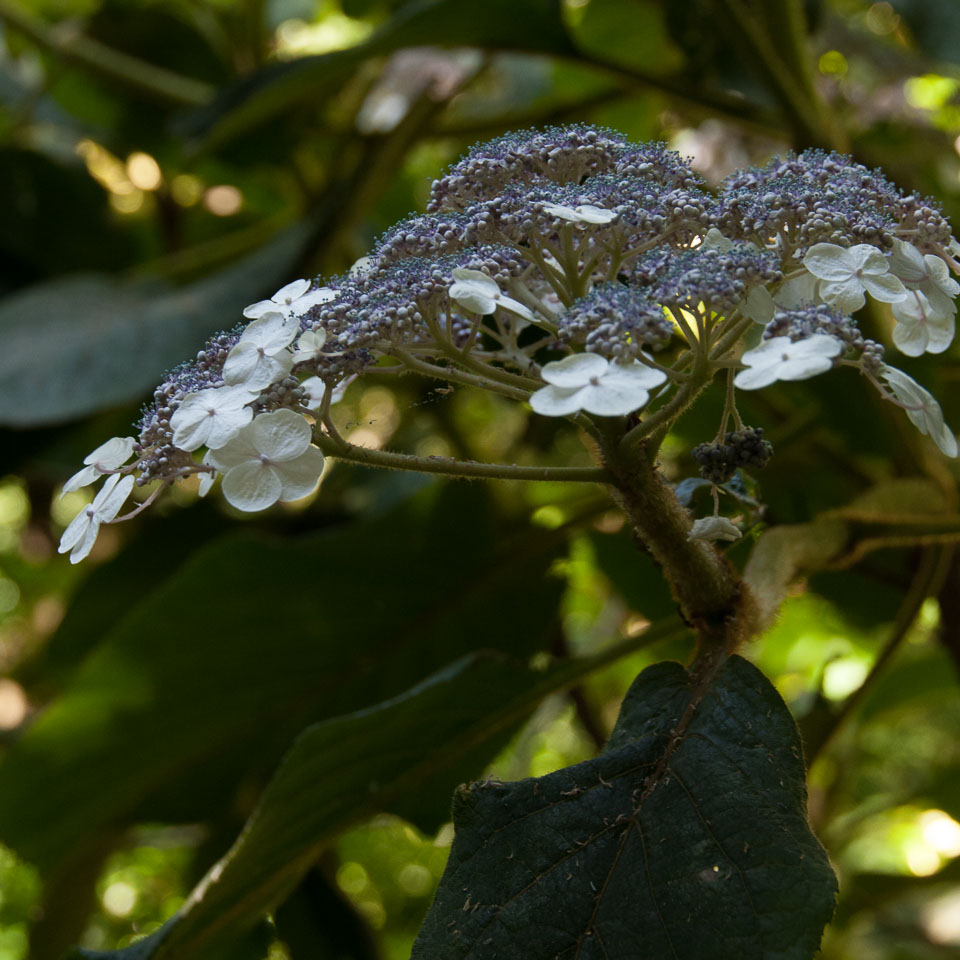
(692, 848)
(79, 344)
(250, 639)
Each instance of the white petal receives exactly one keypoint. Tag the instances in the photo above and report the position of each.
(868, 259)
(477, 280)
(291, 291)
(206, 481)
(803, 368)
(714, 528)
(259, 308)
(223, 428)
(613, 399)
(112, 454)
(758, 305)
(281, 435)
(820, 345)
(361, 267)
(84, 545)
(252, 486)
(632, 375)
(828, 261)
(846, 295)
(755, 378)
(515, 306)
(940, 276)
(81, 478)
(715, 240)
(590, 213)
(111, 498)
(922, 409)
(884, 287)
(315, 388)
(797, 291)
(271, 332)
(560, 211)
(574, 371)
(910, 333)
(309, 345)
(553, 401)
(300, 475)
(907, 262)
(471, 298)
(248, 366)
(312, 298)
(76, 529)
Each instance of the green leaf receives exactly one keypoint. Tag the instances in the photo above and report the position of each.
(250, 639)
(686, 838)
(337, 773)
(783, 553)
(103, 341)
(533, 26)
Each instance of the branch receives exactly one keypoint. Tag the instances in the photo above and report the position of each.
(67, 43)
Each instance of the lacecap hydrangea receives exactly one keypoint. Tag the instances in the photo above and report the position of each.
(579, 273)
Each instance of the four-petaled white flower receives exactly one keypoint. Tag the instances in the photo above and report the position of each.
(270, 459)
(82, 531)
(920, 327)
(108, 456)
(261, 356)
(714, 528)
(587, 381)
(922, 409)
(779, 358)
(847, 273)
(211, 417)
(295, 299)
(582, 213)
(477, 292)
(309, 345)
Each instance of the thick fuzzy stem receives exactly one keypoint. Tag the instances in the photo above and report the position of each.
(711, 596)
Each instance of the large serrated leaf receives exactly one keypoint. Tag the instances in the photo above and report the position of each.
(690, 845)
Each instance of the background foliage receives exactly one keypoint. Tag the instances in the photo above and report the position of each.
(164, 163)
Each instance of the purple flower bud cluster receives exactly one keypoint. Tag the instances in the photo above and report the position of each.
(741, 448)
(557, 154)
(813, 197)
(719, 280)
(616, 321)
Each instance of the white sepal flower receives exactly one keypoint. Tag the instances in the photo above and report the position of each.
(108, 456)
(779, 358)
(758, 305)
(477, 292)
(270, 459)
(294, 299)
(582, 213)
(920, 328)
(315, 387)
(82, 531)
(715, 240)
(211, 417)
(847, 273)
(587, 381)
(797, 291)
(261, 356)
(309, 345)
(926, 273)
(922, 409)
(714, 528)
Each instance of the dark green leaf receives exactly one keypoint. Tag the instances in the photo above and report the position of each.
(692, 845)
(104, 342)
(252, 638)
(338, 772)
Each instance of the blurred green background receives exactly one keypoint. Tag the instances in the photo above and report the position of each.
(163, 163)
